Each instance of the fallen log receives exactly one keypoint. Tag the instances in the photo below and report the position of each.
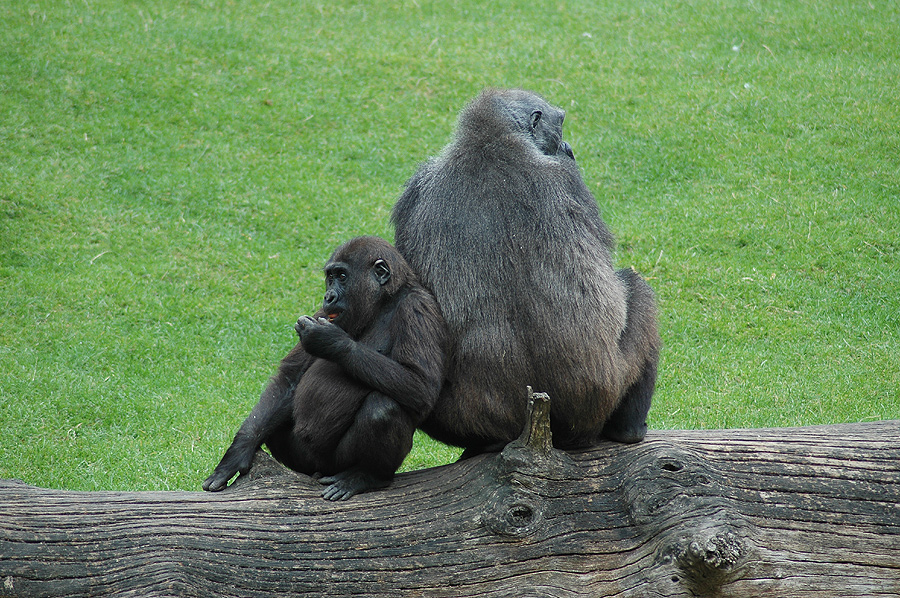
(800, 512)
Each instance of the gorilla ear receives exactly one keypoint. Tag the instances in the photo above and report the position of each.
(535, 119)
(382, 272)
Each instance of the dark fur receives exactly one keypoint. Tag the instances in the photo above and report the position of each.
(346, 400)
(501, 227)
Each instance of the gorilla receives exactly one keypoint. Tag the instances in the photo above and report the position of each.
(502, 229)
(366, 372)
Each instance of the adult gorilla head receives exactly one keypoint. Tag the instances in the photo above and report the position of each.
(496, 114)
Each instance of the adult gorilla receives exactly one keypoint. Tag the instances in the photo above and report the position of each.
(367, 370)
(501, 227)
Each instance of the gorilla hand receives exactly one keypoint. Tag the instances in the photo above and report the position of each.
(237, 460)
(322, 338)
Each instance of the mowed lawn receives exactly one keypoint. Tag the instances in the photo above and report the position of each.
(174, 174)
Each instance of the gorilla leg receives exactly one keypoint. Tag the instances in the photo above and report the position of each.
(628, 423)
(289, 450)
(372, 449)
(640, 347)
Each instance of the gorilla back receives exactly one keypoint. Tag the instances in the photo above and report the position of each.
(501, 227)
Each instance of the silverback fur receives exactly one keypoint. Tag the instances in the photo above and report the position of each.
(501, 227)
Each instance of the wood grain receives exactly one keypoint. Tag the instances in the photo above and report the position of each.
(801, 512)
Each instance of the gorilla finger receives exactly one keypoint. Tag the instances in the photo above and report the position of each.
(336, 492)
(305, 321)
(214, 483)
(304, 324)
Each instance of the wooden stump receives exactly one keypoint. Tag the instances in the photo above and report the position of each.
(801, 512)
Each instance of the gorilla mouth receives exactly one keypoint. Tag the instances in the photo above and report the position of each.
(333, 316)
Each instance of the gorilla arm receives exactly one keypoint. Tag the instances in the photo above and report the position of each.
(413, 372)
(271, 412)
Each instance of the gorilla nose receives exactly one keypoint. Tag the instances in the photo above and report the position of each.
(330, 297)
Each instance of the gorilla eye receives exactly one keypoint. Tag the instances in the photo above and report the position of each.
(336, 276)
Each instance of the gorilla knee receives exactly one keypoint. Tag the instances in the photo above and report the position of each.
(380, 412)
(640, 340)
(379, 439)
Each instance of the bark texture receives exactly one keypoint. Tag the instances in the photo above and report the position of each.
(801, 512)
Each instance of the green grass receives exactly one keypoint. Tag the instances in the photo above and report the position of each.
(173, 175)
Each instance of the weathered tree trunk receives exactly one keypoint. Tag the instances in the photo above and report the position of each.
(802, 512)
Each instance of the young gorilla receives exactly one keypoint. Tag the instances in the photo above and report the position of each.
(367, 370)
(501, 227)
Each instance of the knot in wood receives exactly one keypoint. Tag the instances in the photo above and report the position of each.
(718, 553)
(666, 481)
(513, 513)
(679, 500)
(706, 559)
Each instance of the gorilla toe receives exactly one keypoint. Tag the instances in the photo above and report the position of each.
(349, 483)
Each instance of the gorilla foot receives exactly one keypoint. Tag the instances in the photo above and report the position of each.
(474, 451)
(342, 486)
(624, 434)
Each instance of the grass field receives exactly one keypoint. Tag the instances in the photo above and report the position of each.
(173, 175)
